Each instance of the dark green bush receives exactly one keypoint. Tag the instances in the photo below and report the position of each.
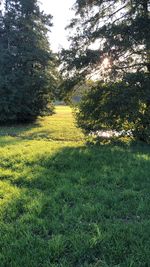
(124, 105)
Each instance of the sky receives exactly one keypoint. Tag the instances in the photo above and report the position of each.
(62, 13)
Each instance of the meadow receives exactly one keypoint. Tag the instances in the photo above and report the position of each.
(65, 203)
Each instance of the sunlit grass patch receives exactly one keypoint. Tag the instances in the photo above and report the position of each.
(66, 204)
(59, 127)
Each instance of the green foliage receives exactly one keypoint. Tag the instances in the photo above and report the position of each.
(27, 65)
(118, 106)
(64, 204)
(120, 30)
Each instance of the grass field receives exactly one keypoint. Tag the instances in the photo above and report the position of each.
(66, 204)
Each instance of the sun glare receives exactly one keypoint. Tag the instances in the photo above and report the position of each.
(105, 63)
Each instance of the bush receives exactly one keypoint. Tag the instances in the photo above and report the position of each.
(124, 105)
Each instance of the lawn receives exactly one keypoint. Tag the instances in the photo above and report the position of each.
(67, 204)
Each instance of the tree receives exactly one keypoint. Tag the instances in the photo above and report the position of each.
(27, 65)
(120, 31)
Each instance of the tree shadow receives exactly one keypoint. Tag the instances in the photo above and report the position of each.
(129, 143)
(14, 134)
(82, 206)
(15, 130)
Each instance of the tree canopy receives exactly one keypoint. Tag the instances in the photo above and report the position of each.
(117, 30)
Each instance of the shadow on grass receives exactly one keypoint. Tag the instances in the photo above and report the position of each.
(11, 135)
(83, 206)
(14, 130)
(39, 131)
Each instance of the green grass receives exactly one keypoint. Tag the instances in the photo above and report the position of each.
(66, 204)
(59, 127)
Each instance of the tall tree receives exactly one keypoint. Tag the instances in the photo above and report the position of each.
(116, 32)
(27, 65)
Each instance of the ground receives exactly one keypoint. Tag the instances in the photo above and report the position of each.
(64, 203)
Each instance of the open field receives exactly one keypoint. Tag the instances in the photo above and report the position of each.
(66, 204)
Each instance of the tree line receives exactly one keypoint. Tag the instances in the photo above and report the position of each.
(116, 32)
